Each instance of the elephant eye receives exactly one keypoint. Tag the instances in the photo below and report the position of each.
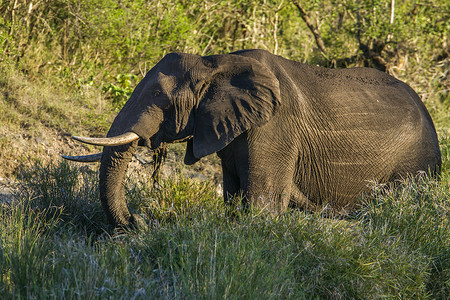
(156, 93)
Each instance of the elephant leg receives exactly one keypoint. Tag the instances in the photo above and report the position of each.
(232, 192)
(235, 176)
(263, 190)
(266, 194)
(231, 187)
(299, 200)
(269, 187)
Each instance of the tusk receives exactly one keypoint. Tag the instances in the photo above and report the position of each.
(122, 139)
(84, 158)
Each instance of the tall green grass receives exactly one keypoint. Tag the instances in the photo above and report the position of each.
(71, 190)
(55, 244)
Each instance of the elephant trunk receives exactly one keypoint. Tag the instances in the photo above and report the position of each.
(113, 168)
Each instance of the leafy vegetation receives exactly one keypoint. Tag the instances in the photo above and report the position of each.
(66, 67)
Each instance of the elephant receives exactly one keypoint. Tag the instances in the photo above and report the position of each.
(288, 134)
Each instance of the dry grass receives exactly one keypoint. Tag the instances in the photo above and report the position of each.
(37, 120)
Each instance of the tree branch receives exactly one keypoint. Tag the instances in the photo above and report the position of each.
(311, 27)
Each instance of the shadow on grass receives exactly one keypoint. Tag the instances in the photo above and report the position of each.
(61, 187)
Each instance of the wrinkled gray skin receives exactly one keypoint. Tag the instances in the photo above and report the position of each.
(287, 133)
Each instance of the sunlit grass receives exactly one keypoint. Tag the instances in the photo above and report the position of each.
(55, 244)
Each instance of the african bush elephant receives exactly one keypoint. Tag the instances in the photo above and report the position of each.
(286, 133)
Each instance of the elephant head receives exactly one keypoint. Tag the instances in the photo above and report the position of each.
(207, 101)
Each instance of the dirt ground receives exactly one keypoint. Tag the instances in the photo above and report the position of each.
(7, 189)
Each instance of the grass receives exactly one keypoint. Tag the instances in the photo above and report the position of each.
(46, 104)
(37, 118)
(55, 244)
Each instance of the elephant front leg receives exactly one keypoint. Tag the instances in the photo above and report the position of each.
(248, 181)
(271, 199)
(234, 160)
(242, 191)
(233, 194)
(270, 191)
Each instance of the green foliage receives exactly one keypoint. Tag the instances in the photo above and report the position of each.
(99, 40)
(83, 41)
(121, 90)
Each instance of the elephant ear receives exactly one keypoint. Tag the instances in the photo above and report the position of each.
(240, 94)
